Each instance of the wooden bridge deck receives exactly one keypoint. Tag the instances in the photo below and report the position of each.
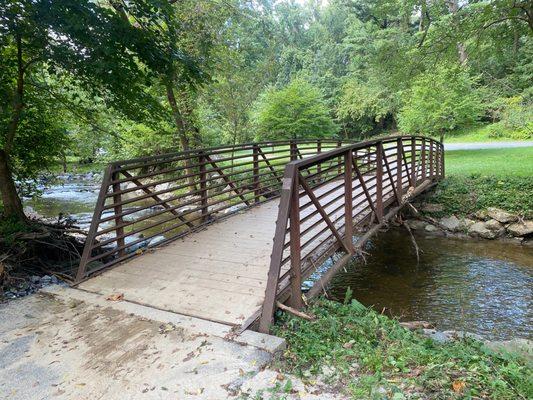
(218, 273)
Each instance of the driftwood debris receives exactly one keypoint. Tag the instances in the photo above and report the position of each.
(295, 312)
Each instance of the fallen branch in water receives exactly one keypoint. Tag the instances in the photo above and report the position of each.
(294, 311)
(429, 220)
(413, 240)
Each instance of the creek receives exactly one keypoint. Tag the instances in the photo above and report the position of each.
(479, 286)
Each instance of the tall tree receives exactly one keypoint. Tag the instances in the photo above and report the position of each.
(78, 38)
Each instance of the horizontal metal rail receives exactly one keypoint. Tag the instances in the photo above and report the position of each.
(149, 201)
(334, 201)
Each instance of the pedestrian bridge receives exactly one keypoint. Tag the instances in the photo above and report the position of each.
(226, 234)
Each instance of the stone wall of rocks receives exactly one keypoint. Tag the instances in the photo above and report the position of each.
(492, 223)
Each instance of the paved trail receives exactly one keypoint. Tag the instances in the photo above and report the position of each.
(58, 347)
(487, 145)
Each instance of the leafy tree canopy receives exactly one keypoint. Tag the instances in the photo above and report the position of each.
(440, 101)
(296, 111)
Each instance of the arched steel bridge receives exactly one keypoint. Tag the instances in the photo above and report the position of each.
(227, 233)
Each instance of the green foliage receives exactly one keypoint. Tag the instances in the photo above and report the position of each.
(485, 133)
(295, 112)
(9, 227)
(515, 118)
(441, 101)
(477, 179)
(464, 195)
(41, 138)
(365, 105)
(372, 356)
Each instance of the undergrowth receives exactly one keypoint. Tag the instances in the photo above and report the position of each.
(373, 357)
(464, 195)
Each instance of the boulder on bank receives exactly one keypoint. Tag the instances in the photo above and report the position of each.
(467, 223)
(524, 347)
(501, 216)
(415, 325)
(482, 215)
(495, 226)
(452, 223)
(416, 224)
(521, 228)
(486, 230)
(431, 228)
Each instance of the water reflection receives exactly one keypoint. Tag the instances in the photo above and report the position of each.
(478, 286)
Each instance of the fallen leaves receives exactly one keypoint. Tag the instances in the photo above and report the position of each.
(115, 297)
(166, 328)
(458, 386)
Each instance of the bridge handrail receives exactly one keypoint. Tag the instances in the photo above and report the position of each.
(327, 197)
(180, 192)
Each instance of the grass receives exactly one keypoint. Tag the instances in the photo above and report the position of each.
(477, 179)
(370, 356)
(513, 162)
(484, 133)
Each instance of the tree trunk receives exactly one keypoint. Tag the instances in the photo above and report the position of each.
(181, 130)
(453, 7)
(10, 198)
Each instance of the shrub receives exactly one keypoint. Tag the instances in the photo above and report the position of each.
(294, 112)
(515, 118)
(440, 101)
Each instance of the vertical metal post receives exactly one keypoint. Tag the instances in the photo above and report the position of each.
(256, 173)
(293, 150)
(431, 160)
(93, 228)
(424, 172)
(413, 161)
(117, 208)
(348, 200)
(294, 231)
(339, 169)
(442, 160)
(399, 169)
(203, 186)
(379, 181)
(318, 151)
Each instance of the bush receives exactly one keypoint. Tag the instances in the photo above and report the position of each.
(515, 118)
(464, 195)
(294, 112)
(440, 101)
(373, 357)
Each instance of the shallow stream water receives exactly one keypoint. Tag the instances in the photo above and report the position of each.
(484, 287)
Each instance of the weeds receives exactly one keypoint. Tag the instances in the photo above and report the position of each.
(373, 357)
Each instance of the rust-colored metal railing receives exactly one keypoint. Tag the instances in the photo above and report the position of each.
(334, 201)
(148, 201)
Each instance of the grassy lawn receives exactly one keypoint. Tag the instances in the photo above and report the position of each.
(491, 162)
(370, 356)
(484, 133)
(477, 179)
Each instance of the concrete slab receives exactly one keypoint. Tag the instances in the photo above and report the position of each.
(60, 347)
(272, 344)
